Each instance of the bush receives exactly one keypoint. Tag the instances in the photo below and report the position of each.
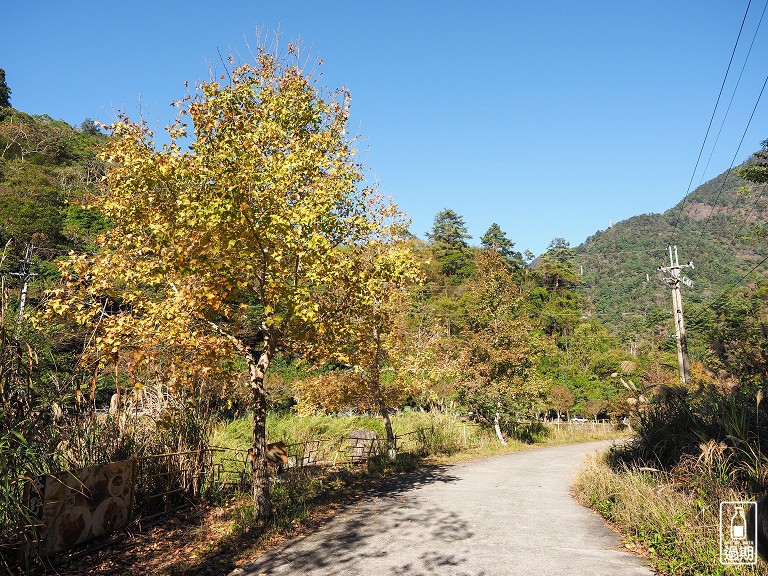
(529, 432)
(679, 429)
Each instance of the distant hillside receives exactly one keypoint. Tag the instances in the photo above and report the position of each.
(44, 164)
(621, 284)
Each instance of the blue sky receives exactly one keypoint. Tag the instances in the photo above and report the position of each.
(551, 118)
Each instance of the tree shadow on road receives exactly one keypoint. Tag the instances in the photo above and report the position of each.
(341, 544)
(370, 533)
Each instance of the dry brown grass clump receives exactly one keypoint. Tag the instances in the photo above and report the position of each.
(671, 516)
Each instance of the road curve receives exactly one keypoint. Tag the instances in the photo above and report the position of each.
(506, 515)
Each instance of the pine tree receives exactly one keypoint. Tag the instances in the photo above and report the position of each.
(558, 266)
(449, 243)
(495, 238)
(5, 91)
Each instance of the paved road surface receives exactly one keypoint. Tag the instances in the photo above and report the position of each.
(506, 515)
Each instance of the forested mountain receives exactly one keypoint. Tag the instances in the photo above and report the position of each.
(712, 227)
(44, 164)
(47, 167)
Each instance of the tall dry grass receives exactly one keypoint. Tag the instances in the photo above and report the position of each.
(663, 489)
(657, 513)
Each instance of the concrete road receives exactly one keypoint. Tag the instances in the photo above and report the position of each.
(506, 515)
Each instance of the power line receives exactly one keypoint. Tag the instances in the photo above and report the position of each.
(585, 315)
(735, 89)
(709, 127)
(729, 289)
(645, 251)
(733, 161)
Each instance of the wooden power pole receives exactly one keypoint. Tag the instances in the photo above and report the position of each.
(674, 279)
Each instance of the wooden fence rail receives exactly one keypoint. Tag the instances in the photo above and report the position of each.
(71, 508)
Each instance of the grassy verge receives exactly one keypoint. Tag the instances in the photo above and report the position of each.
(675, 524)
(437, 435)
(310, 497)
(220, 538)
(693, 449)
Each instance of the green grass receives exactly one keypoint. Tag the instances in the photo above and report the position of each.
(677, 528)
(291, 429)
(438, 436)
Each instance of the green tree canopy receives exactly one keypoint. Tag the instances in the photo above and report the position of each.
(756, 172)
(90, 127)
(558, 267)
(448, 239)
(5, 91)
(495, 238)
(449, 228)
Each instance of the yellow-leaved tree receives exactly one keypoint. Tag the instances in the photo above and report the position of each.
(227, 246)
(372, 345)
(500, 346)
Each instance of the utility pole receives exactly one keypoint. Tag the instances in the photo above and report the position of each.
(673, 280)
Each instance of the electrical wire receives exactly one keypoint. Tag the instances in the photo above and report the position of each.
(592, 254)
(733, 161)
(733, 96)
(746, 218)
(709, 127)
(728, 290)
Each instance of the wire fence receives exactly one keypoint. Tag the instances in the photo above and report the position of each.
(232, 468)
(74, 508)
(77, 508)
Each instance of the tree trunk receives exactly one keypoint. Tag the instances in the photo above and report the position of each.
(496, 425)
(391, 441)
(376, 382)
(260, 480)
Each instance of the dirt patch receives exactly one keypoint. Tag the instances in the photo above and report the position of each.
(202, 542)
(698, 210)
(211, 540)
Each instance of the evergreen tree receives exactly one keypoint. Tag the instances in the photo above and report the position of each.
(757, 170)
(90, 127)
(495, 238)
(449, 228)
(558, 266)
(756, 174)
(562, 304)
(448, 240)
(5, 92)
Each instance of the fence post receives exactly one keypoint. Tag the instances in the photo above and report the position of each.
(134, 472)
